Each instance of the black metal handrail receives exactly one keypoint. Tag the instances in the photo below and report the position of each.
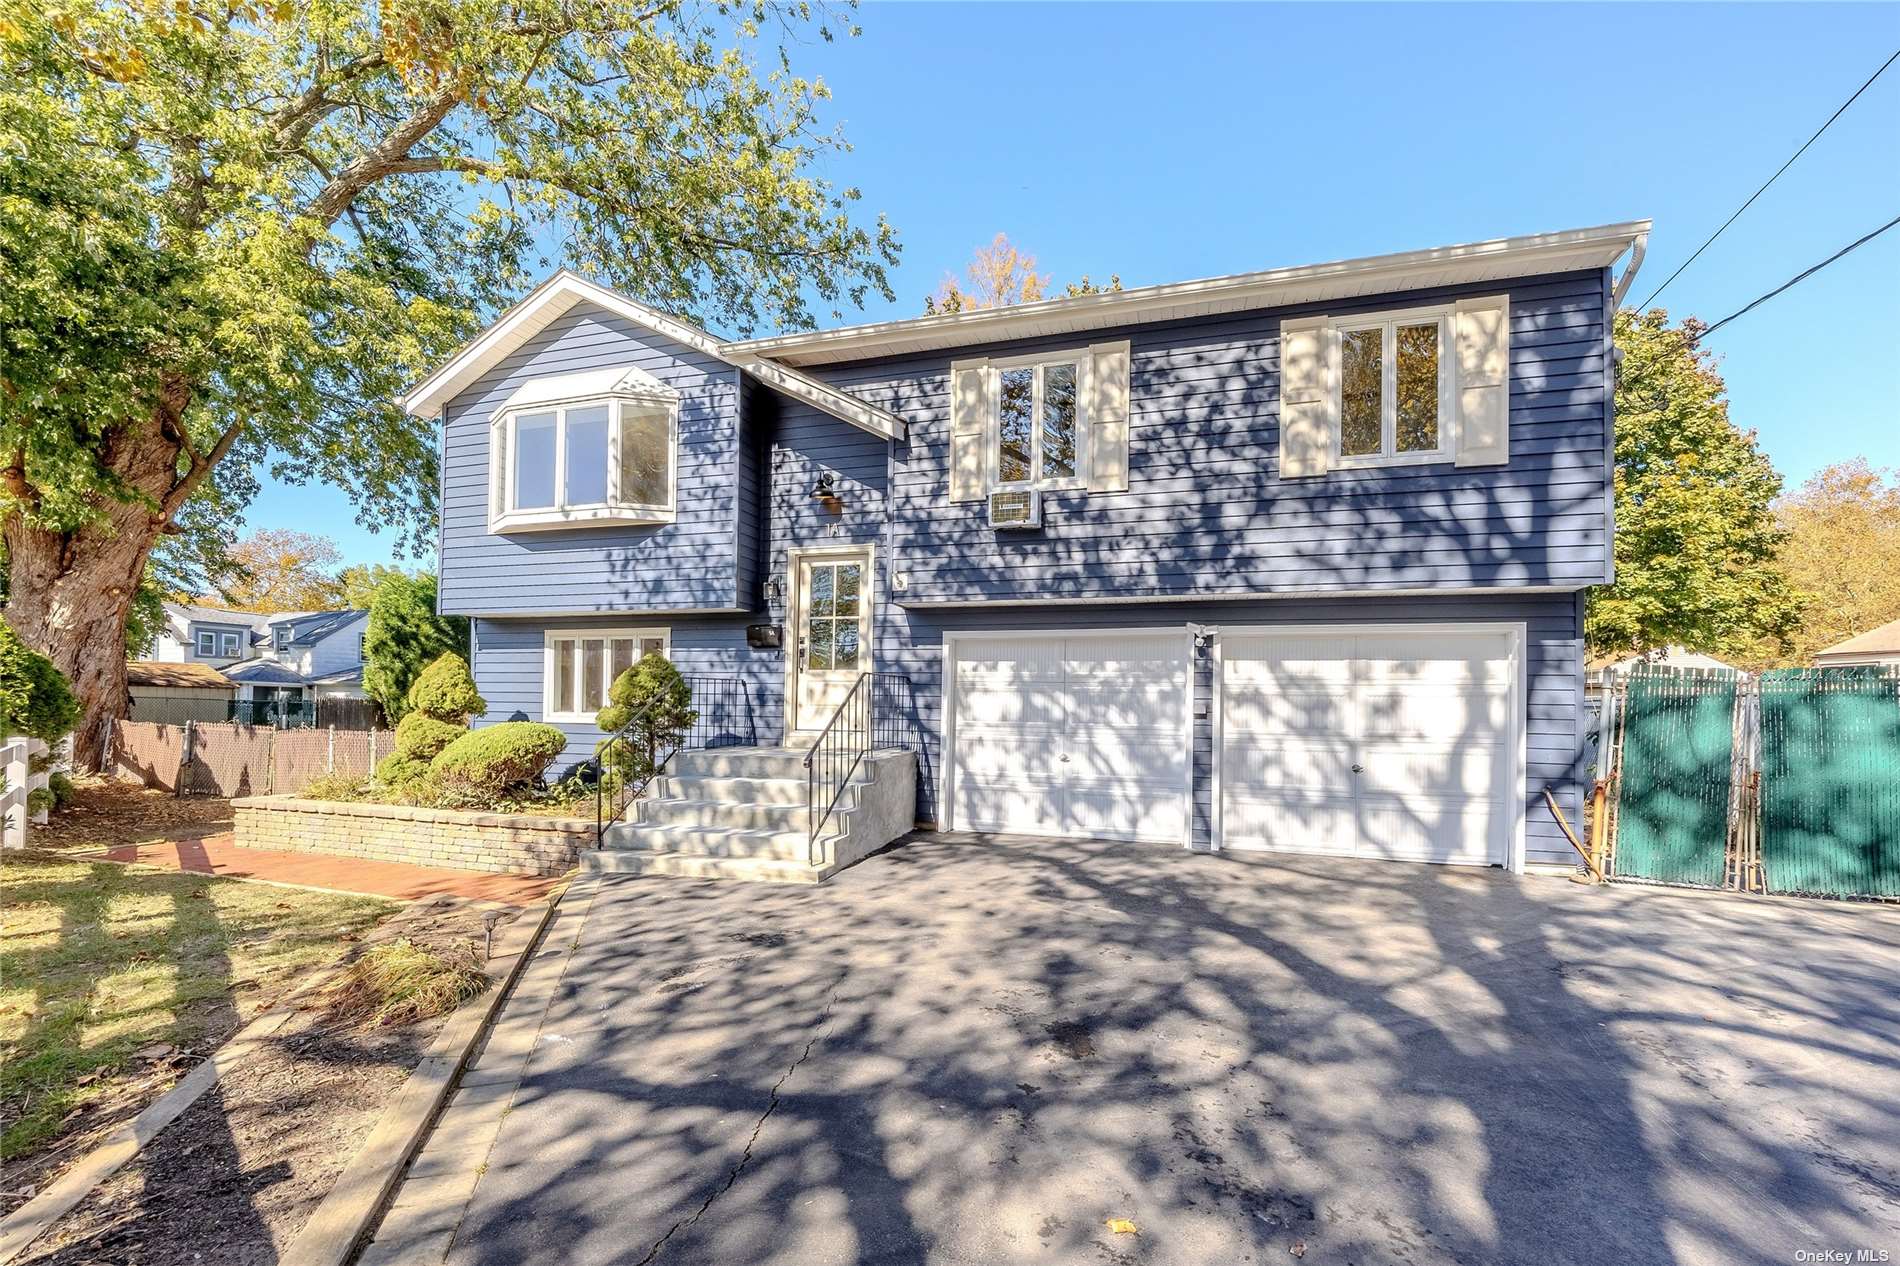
(871, 717)
(722, 717)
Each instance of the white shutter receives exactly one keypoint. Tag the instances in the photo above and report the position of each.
(969, 427)
(1309, 396)
(1481, 329)
(1108, 417)
(497, 468)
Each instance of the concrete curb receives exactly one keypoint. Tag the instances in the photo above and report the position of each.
(426, 1209)
(331, 1235)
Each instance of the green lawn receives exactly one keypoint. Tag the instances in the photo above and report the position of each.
(97, 960)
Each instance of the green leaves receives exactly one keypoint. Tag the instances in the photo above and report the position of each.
(1696, 538)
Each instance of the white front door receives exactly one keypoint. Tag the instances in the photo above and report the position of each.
(1374, 744)
(831, 605)
(1078, 735)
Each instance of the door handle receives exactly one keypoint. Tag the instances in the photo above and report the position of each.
(1358, 769)
(1065, 758)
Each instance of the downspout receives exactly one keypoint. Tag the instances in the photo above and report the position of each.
(1637, 250)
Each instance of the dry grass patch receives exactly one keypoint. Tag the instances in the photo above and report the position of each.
(404, 981)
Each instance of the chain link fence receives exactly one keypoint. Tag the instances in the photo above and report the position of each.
(234, 759)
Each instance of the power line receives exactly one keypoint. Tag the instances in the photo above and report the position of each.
(1801, 276)
(1771, 180)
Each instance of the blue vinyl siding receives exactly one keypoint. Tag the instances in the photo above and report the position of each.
(688, 564)
(509, 672)
(1206, 511)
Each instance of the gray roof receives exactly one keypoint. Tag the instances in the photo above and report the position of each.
(342, 677)
(263, 672)
(306, 627)
(315, 626)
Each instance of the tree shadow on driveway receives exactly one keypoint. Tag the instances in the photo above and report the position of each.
(975, 1050)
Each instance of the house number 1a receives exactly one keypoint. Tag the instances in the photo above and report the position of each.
(834, 529)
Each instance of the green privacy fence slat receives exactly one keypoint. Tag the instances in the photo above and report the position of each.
(1673, 794)
(1830, 785)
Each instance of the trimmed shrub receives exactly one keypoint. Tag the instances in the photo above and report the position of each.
(35, 698)
(344, 787)
(397, 770)
(420, 736)
(446, 691)
(655, 700)
(404, 635)
(62, 788)
(489, 761)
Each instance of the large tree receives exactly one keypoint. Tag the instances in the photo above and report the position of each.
(405, 636)
(999, 275)
(281, 569)
(1841, 554)
(232, 233)
(1696, 537)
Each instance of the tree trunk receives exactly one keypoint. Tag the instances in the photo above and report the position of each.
(70, 593)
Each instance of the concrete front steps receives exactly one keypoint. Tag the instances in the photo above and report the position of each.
(740, 813)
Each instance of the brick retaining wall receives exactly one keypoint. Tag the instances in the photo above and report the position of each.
(511, 843)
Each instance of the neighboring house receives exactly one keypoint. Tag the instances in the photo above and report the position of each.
(1667, 657)
(1879, 646)
(173, 692)
(1306, 571)
(285, 658)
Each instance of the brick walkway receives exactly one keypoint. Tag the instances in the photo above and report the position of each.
(220, 855)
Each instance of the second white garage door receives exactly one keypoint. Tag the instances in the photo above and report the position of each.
(1395, 744)
(1082, 736)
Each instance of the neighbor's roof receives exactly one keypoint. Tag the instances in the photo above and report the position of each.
(1884, 640)
(263, 672)
(342, 677)
(554, 297)
(1498, 260)
(316, 625)
(218, 615)
(153, 672)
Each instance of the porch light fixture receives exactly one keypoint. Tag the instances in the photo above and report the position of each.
(826, 488)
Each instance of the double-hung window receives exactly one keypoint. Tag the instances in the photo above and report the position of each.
(1395, 388)
(228, 643)
(595, 447)
(582, 664)
(1040, 429)
(207, 643)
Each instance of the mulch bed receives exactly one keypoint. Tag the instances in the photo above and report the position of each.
(106, 814)
(233, 1179)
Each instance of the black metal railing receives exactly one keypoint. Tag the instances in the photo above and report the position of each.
(877, 714)
(721, 717)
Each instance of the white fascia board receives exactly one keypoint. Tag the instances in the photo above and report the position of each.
(562, 291)
(1494, 260)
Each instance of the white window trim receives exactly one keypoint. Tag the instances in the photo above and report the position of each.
(201, 638)
(552, 637)
(229, 644)
(993, 427)
(1388, 454)
(614, 509)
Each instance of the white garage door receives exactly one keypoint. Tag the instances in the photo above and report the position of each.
(1395, 744)
(1076, 736)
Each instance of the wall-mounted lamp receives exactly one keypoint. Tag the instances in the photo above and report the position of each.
(826, 489)
(774, 589)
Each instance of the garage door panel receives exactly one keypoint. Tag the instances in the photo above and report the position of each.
(1382, 744)
(1114, 705)
(1292, 823)
(1304, 764)
(1252, 709)
(1458, 771)
(1425, 829)
(1444, 715)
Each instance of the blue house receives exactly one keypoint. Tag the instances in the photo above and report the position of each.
(1288, 560)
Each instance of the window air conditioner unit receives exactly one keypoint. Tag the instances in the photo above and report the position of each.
(1018, 508)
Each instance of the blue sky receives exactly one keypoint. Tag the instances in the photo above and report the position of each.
(1171, 142)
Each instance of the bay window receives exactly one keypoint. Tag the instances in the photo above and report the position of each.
(582, 664)
(596, 447)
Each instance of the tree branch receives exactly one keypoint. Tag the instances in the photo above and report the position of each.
(381, 160)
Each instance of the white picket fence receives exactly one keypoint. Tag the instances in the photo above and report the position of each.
(16, 761)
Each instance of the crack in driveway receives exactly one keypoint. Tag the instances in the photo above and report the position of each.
(745, 1157)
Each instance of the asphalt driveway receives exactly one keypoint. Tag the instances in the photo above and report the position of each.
(979, 1051)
